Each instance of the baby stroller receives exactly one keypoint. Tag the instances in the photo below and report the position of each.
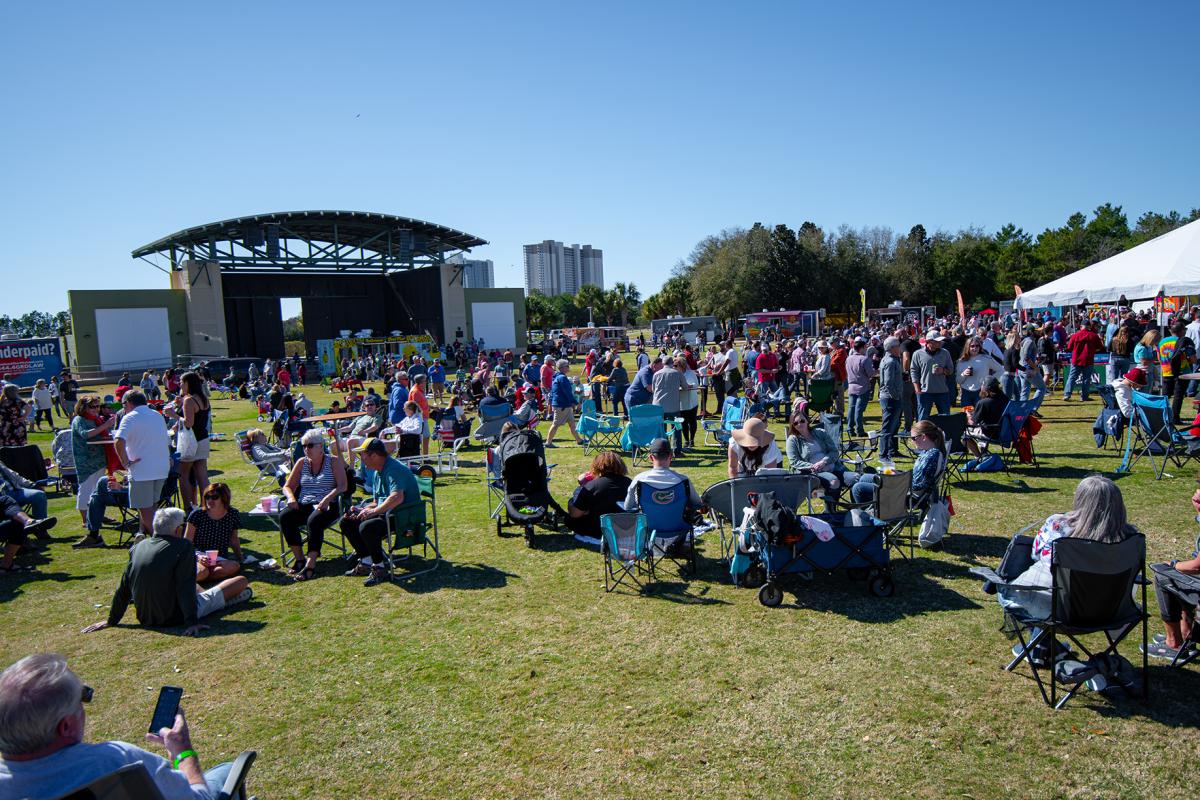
(525, 483)
(264, 410)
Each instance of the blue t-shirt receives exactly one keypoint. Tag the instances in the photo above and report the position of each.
(74, 767)
(396, 401)
(395, 477)
(533, 374)
(437, 374)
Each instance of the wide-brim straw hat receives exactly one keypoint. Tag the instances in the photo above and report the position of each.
(753, 433)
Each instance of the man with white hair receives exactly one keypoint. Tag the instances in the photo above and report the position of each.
(160, 579)
(42, 752)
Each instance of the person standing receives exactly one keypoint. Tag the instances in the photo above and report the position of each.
(1030, 376)
(891, 397)
(667, 393)
(929, 369)
(144, 448)
(43, 405)
(563, 402)
(1083, 344)
(859, 373)
(194, 411)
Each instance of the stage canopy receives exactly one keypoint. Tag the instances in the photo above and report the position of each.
(1168, 264)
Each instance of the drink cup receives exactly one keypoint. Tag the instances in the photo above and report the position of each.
(211, 555)
(969, 371)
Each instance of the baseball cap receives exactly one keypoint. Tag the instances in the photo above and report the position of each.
(890, 342)
(859, 340)
(934, 335)
(659, 447)
(372, 445)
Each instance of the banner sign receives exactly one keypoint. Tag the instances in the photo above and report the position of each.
(29, 359)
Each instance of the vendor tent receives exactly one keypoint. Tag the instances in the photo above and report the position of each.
(1168, 264)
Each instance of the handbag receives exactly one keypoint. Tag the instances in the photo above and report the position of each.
(186, 444)
(935, 525)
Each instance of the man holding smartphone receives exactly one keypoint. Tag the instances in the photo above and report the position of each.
(42, 752)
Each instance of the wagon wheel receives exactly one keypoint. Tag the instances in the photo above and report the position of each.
(770, 595)
(882, 586)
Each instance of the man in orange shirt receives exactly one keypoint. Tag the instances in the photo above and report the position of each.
(837, 365)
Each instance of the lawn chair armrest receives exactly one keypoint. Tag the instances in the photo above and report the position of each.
(237, 775)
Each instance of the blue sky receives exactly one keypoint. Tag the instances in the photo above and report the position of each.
(635, 127)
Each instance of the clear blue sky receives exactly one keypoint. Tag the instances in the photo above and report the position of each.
(636, 127)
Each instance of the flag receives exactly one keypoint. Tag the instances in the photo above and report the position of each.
(862, 297)
(962, 310)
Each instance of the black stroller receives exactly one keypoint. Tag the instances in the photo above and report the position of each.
(525, 483)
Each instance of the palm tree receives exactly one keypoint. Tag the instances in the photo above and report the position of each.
(590, 295)
(630, 299)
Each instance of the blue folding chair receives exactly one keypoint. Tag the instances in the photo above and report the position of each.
(671, 537)
(491, 420)
(646, 423)
(1153, 435)
(625, 545)
(1015, 415)
(733, 414)
(598, 431)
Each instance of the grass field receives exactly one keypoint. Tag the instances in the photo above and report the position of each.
(509, 672)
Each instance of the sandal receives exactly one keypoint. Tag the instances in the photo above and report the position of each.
(306, 574)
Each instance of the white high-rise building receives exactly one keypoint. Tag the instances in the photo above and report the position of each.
(553, 268)
(476, 273)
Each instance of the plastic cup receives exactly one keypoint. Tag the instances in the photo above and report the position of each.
(212, 556)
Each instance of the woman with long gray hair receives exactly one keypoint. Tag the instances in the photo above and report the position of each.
(1098, 514)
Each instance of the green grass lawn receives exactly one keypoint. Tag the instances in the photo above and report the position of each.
(509, 672)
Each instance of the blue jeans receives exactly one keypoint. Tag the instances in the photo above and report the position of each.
(891, 425)
(101, 499)
(1080, 375)
(31, 497)
(908, 406)
(1028, 381)
(215, 777)
(970, 397)
(1011, 385)
(858, 407)
(863, 491)
(1116, 367)
(927, 400)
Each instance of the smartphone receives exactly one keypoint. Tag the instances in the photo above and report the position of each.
(166, 708)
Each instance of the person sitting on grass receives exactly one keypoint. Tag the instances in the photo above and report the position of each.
(160, 580)
(1177, 587)
(215, 527)
(312, 490)
(15, 526)
(601, 491)
(365, 527)
(43, 754)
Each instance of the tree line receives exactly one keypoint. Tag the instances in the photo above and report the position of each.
(35, 324)
(617, 305)
(738, 270)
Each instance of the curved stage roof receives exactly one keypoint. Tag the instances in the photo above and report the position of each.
(313, 241)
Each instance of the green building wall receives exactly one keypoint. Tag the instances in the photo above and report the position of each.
(83, 304)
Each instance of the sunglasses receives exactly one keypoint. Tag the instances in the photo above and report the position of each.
(312, 445)
(86, 694)
(212, 497)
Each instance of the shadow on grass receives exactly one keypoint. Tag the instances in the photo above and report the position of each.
(1014, 485)
(13, 584)
(680, 592)
(975, 546)
(464, 576)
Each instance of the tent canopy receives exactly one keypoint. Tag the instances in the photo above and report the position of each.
(1169, 264)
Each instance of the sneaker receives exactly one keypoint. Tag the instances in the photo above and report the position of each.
(91, 540)
(378, 575)
(1161, 650)
(241, 597)
(1098, 683)
(358, 570)
(38, 526)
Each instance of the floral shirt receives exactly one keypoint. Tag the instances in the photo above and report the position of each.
(1053, 528)
(13, 424)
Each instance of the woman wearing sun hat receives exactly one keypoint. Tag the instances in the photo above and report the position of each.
(751, 448)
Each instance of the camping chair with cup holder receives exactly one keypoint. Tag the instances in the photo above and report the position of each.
(1153, 436)
(726, 500)
(598, 431)
(133, 782)
(625, 547)
(414, 525)
(1092, 592)
(667, 519)
(1008, 439)
(733, 414)
(820, 394)
(646, 423)
(954, 431)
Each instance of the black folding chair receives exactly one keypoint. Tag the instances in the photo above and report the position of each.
(1091, 592)
(954, 430)
(133, 782)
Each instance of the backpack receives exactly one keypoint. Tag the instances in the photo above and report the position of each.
(777, 520)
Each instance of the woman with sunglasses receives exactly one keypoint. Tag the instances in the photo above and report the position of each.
(91, 463)
(312, 490)
(813, 450)
(215, 527)
(974, 368)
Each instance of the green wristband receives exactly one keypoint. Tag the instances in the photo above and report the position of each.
(185, 754)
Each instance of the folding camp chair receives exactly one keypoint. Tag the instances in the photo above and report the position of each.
(28, 462)
(268, 468)
(733, 414)
(1184, 589)
(820, 394)
(954, 431)
(491, 421)
(598, 431)
(645, 424)
(726, 499)
(671, 537)
(1011, 424)
(1091, 592)
(63, 457)
(625, 546)
(494, 482)
(130, 524)
(1154, 436)
(1110, 422)
(409, 527)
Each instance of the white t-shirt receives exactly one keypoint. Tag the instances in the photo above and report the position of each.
(146, 441)
(42, 399)
(689, 398)
(74, 767)
(771, 458)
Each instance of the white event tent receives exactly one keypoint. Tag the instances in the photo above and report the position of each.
(1169, 264)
